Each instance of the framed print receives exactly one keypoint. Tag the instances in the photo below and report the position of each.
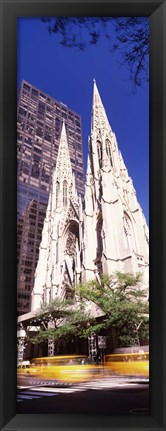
(12, 11)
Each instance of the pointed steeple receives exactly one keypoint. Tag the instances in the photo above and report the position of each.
(102, 137)
(99, 117)
(63, 165)
(63, 173)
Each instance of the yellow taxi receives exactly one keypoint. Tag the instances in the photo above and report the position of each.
(64, 369)
(25, 368)
(128, 364)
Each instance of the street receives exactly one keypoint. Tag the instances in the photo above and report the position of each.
(113, 396)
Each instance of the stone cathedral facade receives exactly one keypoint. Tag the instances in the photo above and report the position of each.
(104, 233)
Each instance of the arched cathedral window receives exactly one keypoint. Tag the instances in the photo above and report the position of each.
(99, 152)
(71, 260)
(57, 192)
(129, 232)
(64, 193)
(108, 151)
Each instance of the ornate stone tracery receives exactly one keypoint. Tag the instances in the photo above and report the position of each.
(71, 244)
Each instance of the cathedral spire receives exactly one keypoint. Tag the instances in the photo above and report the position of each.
(63, 174)
(99, 117)
(102, 137)
(62, 171)
(63, 164)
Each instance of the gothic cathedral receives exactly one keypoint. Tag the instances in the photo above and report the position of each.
(104, 233)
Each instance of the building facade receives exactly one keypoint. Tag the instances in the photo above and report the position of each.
(103, 233)
(39, 123)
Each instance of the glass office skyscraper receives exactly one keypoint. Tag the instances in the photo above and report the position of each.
(39, 123)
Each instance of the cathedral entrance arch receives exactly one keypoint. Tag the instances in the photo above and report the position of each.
(71, 236)
(71, 257)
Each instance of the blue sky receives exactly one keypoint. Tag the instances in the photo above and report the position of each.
(67, 75)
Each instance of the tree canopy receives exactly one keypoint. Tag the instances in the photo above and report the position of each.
(124, 304)
(59, 319)
(120, 300)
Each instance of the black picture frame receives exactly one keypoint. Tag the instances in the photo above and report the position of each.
(10, 10)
